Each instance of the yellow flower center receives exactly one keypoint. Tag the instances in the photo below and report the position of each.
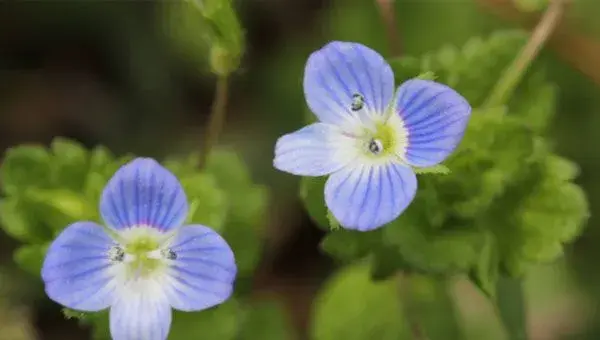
(388, 138)
(141, 253)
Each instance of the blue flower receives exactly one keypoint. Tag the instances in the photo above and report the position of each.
(144, 263)
(369, 137)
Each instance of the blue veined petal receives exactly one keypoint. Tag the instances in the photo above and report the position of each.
(77, 270)
(143, 192)
(204, 271)
(315, 150)
(142, 311)
(367, 197)
(338, 71)
(436, 117)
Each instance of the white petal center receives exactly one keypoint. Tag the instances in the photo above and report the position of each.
(378, 139)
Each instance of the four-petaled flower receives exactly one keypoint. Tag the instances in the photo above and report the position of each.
(369, 137)
(144, 263)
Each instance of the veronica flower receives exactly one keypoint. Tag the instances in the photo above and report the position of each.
(144, 263)
(369, 137)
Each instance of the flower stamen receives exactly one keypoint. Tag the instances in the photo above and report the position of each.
(168, 254)
(375, 146)
(116, 254)
(358, 101)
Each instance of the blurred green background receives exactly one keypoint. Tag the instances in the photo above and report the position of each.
(134, 76)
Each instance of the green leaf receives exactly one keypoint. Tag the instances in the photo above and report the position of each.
(350, 245)
(208, 205)
(93, 188)
(19, 222)
(218, 323)
(436, 169)
(387, 262)
(511, 307)
(472, 70)
(99, 323)
(229, 169)
(561, 168)
(73, 314)
(245, 236)
(24, 167)
(339, 315)
(102, 161)
(427, 76)
(266, 320)
(70, 163)
(428, 305)
(61, 207)
(437, 252)
(312, 194)
(102, 166)
(509, 201)
(31, 257)
(535, 104)
(246, 210)
(495, 151)
(408, 67)
(183, 166)
(536, 216)
(486, 271)
(334, 224)
(553, 214)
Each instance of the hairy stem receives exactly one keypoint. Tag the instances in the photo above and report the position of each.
(513, 74)
(388, 16)
(216, 119)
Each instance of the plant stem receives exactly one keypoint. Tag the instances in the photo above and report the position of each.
(405, 292)
(216, 118)
(388, 16)
(513, 74)
(511, 307)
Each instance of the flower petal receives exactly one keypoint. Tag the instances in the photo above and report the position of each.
(315, 150)
(204, 271)
(366, 197)
(143, 192)
(141, 312)
(436, 117)
(338, 71)
(77, 270)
